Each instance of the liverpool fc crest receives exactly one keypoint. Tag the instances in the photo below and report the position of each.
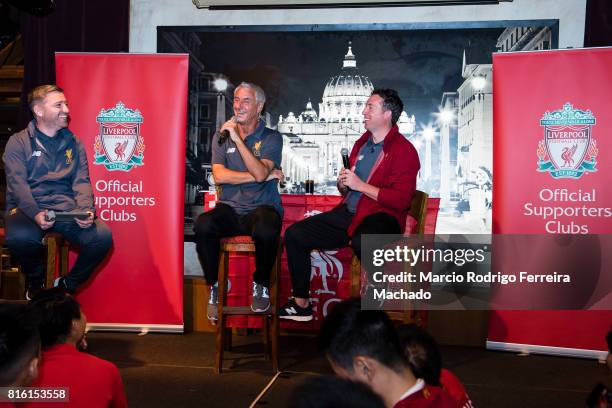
(568, 149)
(119, 145)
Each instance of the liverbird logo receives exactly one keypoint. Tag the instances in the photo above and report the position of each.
(120, 150)
(119, 145)
(568, 155)
(325, 266)
(568, 149)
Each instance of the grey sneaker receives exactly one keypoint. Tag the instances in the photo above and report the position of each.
(211, 308)
(261, 298)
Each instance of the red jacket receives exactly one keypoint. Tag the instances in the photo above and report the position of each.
(395, 175)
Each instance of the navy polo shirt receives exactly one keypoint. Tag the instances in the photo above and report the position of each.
(368, 154)
(265, 143)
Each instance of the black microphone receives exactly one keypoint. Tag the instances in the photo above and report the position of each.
(223, 135)
(345, 158)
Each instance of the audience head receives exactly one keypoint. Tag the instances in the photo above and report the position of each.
(60, 317)
(422, 352)
(19, 346)
(334, 392)
(360, 344)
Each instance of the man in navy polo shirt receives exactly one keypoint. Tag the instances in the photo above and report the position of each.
(246, 169)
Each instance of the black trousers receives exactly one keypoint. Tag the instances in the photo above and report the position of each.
(24, 240)
(263, 225)
(325, 231)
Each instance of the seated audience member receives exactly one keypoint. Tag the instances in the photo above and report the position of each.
(334, 392)
(425, 361)
(362, 345)
(92, 382)
(19, 347)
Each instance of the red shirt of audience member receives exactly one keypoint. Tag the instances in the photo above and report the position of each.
(453, 386)
(422, 395)
(91, 381)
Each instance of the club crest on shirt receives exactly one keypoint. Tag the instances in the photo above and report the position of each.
(568, 149)
(119, 144)
(257, 149)
(68, 156)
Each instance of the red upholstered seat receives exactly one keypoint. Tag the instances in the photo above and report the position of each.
(238, 239)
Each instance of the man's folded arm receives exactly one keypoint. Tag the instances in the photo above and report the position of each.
(223, 175)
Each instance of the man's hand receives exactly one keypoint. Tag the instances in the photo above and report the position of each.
(230, 126)
(86, 223)
(42, 222)
(276, 174)
(349, 179)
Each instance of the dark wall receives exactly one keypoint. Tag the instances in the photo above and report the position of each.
(72, 25)
(598, 27)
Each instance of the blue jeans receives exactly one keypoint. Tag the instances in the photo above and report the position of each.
(24, 240)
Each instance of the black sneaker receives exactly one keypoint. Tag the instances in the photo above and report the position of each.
(33, 291)
(291, 311)
(61, 283)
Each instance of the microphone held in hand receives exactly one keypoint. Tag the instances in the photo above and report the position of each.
(223, 135)
(345, 158)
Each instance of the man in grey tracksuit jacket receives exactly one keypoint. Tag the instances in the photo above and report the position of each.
(46, 169)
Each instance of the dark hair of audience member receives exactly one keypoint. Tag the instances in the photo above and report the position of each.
(422, 352)
(19, 346)
(56, 310)
(348, 331)
(334, 392)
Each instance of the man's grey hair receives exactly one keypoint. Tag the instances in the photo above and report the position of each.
(260, 95)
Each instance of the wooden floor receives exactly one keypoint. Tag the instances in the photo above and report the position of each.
(176, 370)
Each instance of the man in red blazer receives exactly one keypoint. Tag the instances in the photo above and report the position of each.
(377, 190)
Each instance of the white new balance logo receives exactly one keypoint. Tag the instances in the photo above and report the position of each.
(291, 310)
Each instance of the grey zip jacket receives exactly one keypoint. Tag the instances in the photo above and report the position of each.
(37, 179)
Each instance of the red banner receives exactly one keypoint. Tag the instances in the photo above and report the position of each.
(130, 113)
(551, 176)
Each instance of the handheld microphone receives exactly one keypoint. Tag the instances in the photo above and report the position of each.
(224, 134)
(345, 158)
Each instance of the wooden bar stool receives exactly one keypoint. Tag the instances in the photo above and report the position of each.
(244, 244)
(418, 212)
(57, 257)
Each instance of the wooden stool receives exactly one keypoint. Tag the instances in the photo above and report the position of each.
(418, 211)
(244, 244)
(57, 257)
